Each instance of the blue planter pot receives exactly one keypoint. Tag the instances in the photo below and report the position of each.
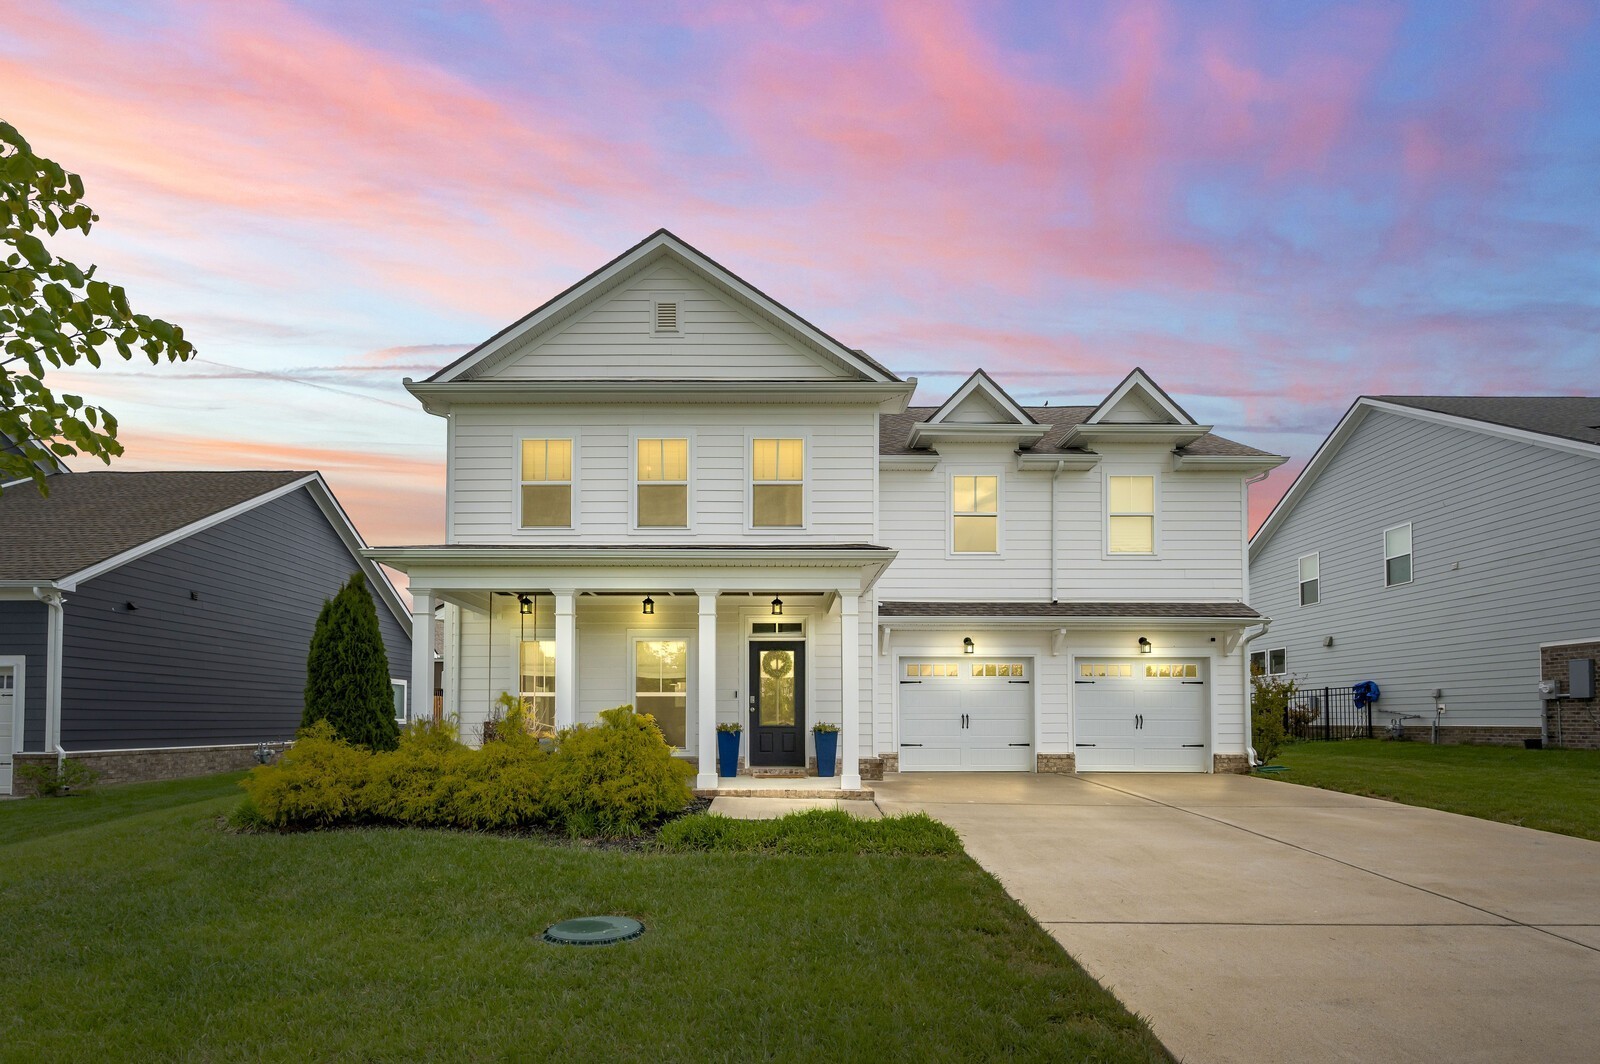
(827, 747)
(727, 753)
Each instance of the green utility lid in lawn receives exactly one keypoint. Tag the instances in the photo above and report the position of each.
(593, 930)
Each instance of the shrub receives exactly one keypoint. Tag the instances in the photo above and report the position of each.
(814, 832)
(614, 778)
(347, 671)
(318, 781)
(56, 780)
(1269, 698)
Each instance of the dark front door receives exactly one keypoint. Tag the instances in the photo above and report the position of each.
(778, 704)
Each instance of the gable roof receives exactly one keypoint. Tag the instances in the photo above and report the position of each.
(661, 244)
(94, 522)
(983, 384)
(894, 433)
(1140, 381)
(1565, 422)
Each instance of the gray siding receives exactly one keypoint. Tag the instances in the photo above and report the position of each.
(24, 629)
(1506, 555)
(227, 667)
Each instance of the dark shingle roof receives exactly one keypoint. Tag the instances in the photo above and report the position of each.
(89, 517)
(1569, 417)
(1065, 610)
(894, 432)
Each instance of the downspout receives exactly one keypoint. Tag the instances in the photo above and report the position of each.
(1054, 580)
(53, 599)
(1258, 631)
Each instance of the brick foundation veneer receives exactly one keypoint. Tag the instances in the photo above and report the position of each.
(139, 766)
(1465, 735)
(1570, 722)
(1235, 763)
(891, 762)
(1061, 764)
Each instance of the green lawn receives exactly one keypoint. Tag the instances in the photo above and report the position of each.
(1553, 790)
(140, 930)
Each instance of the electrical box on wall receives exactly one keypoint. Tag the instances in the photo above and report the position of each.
(1580, 678)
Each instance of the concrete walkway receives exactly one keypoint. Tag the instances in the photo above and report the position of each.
(1253, 920)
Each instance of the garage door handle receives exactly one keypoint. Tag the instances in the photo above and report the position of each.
(910, 681)
(1021, 744)
(1083, 681)
(1083, 744)
(910, 744)
(1193, 746)
(1019, 681)
(1197, 683)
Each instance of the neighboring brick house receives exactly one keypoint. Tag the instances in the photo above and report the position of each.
(1571, 721)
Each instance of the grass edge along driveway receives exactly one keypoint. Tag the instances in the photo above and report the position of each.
(152, 934)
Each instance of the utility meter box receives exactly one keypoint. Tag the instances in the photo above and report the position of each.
(1580, 678)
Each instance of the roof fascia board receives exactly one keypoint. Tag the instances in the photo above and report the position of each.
(1134, 432)
(438, 398)
(909, 463)
(1560, 443)
(1138, 378)
(975, 432)
(1077, 463)
(670, 557)
(981, 381)
(902, 621)
(1227, 463)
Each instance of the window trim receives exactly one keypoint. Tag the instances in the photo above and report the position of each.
(777, 433)
(1302, 581)
(1266, 661)
(1106, 515)
(951, 473)
(634, 482)
(1410, 554)
(517, 482)
(691, 730)
(408, 713)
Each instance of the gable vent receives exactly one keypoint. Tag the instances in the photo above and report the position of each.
(667, 317)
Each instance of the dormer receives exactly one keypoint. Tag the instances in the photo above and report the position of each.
(980, 411)
(1136, 411)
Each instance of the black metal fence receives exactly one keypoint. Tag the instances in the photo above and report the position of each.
(1327, 713)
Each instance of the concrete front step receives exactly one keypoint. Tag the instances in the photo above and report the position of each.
(737, 791)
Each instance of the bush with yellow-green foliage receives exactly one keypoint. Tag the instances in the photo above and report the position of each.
(613, 778)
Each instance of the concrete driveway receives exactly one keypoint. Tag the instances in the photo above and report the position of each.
(1253, 920)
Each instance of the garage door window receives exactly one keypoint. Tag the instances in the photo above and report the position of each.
(992, 668)
(1173, 671)
(1093, 670)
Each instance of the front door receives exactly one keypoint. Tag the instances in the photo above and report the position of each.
(778, 704)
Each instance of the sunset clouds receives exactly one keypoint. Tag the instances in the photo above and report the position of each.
(1273, 208)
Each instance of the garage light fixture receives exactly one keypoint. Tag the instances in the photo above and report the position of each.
(1144, 645)
(777, 606)
(649, 606)
(966, 645)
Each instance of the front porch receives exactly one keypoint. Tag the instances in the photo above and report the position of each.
(809, 787)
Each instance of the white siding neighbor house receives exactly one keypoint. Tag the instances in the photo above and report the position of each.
(667, 489)
(1434, 545)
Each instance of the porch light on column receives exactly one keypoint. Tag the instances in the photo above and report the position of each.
(649, 606)
(967, 646)
(1144, 645)
(524, 604)
(777, 606)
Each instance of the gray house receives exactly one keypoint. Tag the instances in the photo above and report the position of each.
(1448, 548)
(156, 624)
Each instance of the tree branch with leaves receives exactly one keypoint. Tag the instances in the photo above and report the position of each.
(54, 315)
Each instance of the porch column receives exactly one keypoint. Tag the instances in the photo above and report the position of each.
(706, 691)
(421, 686)
(850, 687)
(566, 657)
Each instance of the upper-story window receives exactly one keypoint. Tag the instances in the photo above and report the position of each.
(777, 483)
(661, 491)
(1131, 515)
(1310, 571)
(546, 483)
(1269, 662)
(1397, 555)
(975, 516)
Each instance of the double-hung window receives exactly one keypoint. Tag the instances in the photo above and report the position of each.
(546, 483)
(661, 492)
(1310, 571)
(777, 483)
(1131, 515)
(975, 516)
(1397, 555)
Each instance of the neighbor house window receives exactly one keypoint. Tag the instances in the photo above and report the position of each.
(661, 685)
(538, 683)
(546, 483)
(1397, 555)
(975, 521)
(1266, 662)
(1310, 568)
(777, 490)
(661, 496)
(397, 688)
(1132, 515)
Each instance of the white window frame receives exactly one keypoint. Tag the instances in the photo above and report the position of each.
(408, 713)
(691, 706)
(1266, 661)
(999, 511)
(1300, 571)
(688, 483)
(517, 485)
(750, 482)
(655, 316)
(1155, 514)
(1410, 554)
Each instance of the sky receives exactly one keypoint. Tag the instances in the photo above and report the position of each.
(1273, 208)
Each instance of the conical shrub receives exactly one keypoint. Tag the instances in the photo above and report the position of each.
(347, 671)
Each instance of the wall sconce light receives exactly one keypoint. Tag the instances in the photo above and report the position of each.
(525, 604)
(649, 606)
(967, 646)
(777, 606)
(1144, 645)
(130, 607)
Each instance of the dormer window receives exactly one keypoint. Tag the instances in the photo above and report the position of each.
(665, 318)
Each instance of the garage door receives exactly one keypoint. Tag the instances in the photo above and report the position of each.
(966, 715)
(1140, 715)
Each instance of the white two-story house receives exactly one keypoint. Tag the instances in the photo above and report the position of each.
(665, 488)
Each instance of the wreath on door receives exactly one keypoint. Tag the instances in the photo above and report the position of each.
(777, 664)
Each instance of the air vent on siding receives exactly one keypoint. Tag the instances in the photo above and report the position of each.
(666, 317)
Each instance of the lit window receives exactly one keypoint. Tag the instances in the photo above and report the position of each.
(777, 492)
(661, 685)
(1397, 555)
(662, 491)
(546, 483)
(1310, 569)
(538, 683)
(976, 520)
(1132, 515)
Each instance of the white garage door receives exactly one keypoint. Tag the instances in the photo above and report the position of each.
(966, 715)
(1140, 715)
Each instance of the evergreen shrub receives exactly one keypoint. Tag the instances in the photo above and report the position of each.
(347, 671)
